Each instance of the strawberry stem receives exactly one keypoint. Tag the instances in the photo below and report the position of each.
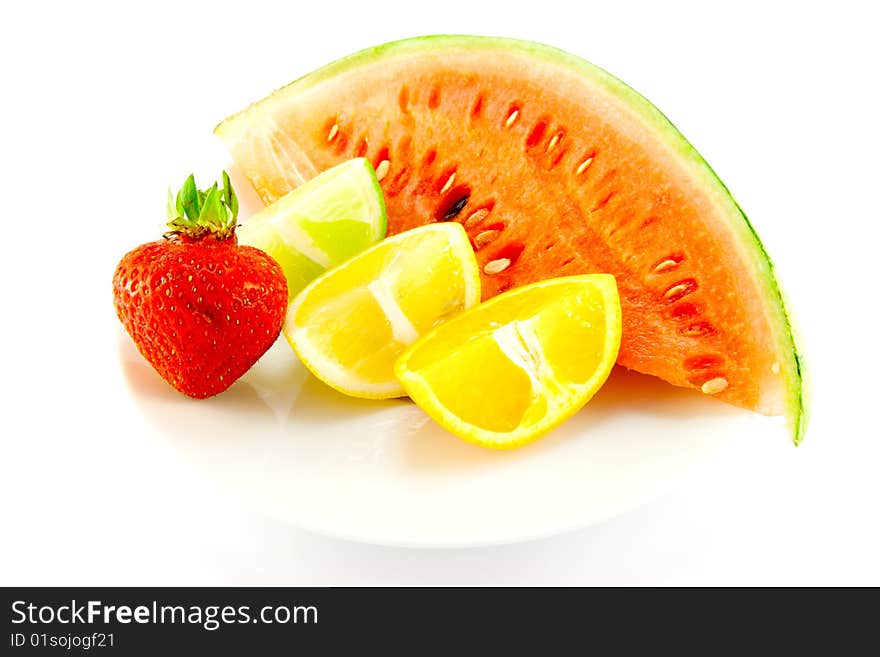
(198, 212)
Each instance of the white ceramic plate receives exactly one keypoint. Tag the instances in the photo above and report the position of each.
(383, 472)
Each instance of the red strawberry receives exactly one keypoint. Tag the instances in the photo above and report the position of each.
(200, 308)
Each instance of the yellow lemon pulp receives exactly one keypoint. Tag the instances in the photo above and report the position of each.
(508, 371)
(351, 324)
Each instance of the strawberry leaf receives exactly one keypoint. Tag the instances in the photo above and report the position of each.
(229, 197)
(212, 214)
(188, 199)
(171, 207)
(198, 212)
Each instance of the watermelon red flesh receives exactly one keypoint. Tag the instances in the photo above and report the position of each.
(557, 168)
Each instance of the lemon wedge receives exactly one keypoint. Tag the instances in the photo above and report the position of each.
(350, 325)
(508, 371)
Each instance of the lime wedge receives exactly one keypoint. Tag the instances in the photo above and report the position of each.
(320, 224)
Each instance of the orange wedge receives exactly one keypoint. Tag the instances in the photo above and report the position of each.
(506, 372)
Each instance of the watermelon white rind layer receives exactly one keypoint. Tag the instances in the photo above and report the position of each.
(791, 366)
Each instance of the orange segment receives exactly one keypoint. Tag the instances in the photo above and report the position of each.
(508, 371)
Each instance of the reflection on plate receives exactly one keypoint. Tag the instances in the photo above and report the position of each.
(383, 472)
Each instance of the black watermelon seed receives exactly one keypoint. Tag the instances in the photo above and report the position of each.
(455, 208)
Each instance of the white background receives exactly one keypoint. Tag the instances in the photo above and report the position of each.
(102, 103)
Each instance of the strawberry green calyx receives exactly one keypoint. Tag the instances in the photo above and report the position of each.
(197, 212)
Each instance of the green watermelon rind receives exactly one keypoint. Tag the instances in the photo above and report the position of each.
(797, 388)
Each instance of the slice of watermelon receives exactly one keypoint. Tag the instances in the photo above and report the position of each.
(554, 167)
